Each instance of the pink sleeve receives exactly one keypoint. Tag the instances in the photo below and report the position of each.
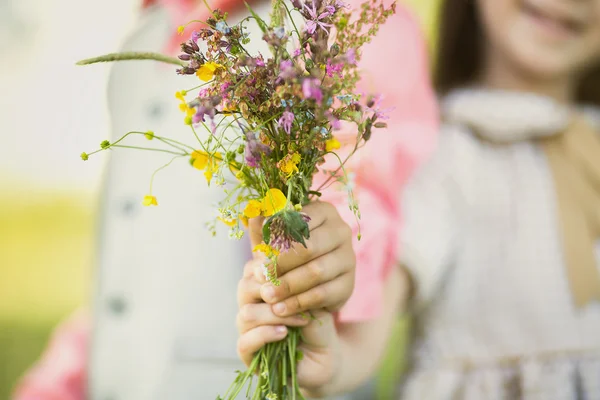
(395, 65)
(60, 373)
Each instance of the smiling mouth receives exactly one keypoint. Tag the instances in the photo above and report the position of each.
(561, 24)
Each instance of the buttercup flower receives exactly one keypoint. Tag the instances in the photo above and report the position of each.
(273, 202)
(332, 144)
(207, 71)
(149, 200)
(289, 164)
(199, 159)
(228, 222)
(253, 209)
(266, 250)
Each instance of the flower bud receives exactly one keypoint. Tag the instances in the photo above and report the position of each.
(334, 50)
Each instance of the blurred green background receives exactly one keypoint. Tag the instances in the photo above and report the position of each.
(47, 221)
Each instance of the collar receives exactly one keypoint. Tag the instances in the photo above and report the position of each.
(507, 116)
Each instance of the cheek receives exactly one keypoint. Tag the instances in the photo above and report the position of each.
(516, 41)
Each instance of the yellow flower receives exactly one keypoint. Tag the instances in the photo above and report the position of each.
(332, 144)
(180, 29)
(228, 222)
(188, 120)
(207, 70)
(199, 159)
(149, 200)
(244, 221)
(289, 164)
(207, 162)
(149, 135)
(252, 209)
(228, 110)
(266, 250)
(273, 202)
(181, 95)
(85, 156)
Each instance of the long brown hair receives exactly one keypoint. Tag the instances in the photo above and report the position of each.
(460, 52)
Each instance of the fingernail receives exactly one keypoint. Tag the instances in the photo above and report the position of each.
(268, 292)
(279, 308)
(281, 329)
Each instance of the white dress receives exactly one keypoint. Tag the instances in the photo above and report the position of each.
(482, 242)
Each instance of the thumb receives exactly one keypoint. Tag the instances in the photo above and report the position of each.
(255, 226)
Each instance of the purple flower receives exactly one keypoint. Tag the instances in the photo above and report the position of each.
(297, 53)
(202, 112)
(351, 56)
(314, 19)
(286, 69)
(375, 108)
(335, 123)
(254, 150)
(286, 120)
(311, 90)
(224, 87)
(332, 69)
(280, 237)
(203, 93)
(195, 36)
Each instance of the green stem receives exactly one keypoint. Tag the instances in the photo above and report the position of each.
(132, 55)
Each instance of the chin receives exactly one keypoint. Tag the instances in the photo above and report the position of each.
(541, 61)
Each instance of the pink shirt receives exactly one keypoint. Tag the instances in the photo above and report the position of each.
(395, 66)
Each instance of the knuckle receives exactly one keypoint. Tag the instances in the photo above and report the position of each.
(346, 231)
(246, 314)
(296, 305)
(242, 346)
(319, 295)
(249, 268)
(284, 289)
(316, 270)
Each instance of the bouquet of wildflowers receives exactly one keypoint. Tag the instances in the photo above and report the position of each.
(271, 122)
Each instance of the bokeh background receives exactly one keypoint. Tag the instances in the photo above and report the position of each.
(51, 111)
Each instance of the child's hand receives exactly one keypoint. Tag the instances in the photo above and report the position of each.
(319, 276)
(320, 342)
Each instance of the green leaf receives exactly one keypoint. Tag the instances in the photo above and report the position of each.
(261, 23)
(267, 231)
(296, 227)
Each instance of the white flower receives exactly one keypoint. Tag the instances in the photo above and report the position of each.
(265, 271)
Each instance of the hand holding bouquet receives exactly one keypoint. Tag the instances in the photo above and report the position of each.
(270, 123)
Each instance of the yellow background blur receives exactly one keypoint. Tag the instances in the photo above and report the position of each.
(50, 111)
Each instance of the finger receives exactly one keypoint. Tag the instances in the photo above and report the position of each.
(253, 340)
(324, 239)
(248, 291)
(252, 315)
(255, 227)
(331, 296)
(311, 274)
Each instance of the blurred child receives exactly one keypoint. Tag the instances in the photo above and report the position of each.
(499, 253)
(163, 322)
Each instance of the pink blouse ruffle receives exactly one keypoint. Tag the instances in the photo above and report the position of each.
(395, 66)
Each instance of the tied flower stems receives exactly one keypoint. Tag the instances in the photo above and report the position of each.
(269, 123)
